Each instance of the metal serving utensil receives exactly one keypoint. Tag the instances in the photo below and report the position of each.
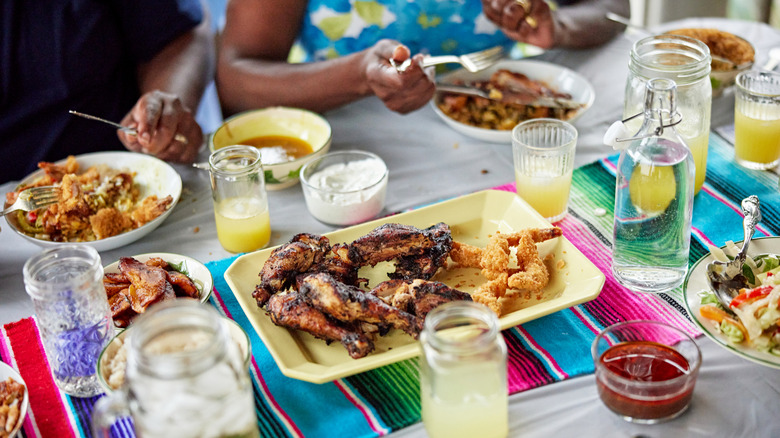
(472, 62)
(726, 278)
(130, 131)
(542, 101)
(34, 198)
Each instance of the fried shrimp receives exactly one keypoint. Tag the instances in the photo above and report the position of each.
(529, 273)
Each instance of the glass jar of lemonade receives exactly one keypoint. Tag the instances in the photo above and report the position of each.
(240, 200)
(463, 380)
(686, 61)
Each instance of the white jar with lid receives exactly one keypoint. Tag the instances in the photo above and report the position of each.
(686, 61)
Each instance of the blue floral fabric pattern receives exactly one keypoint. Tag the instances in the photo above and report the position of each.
(333, 28)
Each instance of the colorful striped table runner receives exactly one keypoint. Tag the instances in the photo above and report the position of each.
(543, 351)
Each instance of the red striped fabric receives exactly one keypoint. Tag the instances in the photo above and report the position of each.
(46, 403)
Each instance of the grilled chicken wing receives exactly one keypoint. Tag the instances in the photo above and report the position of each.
(150, 283)
(289, 310)
(420, 253)
(348, 303)
(417, 297)
(287, 262)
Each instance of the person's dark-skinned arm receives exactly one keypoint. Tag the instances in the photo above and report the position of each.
(581, 25)
(172, 84)
(253, 72)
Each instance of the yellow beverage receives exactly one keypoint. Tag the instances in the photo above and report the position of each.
(243, 224)
(652, 188)
(756, 141)
(698, 146)
(548, 195)
(468, 403)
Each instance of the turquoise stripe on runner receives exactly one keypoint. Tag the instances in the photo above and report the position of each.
(323, 402)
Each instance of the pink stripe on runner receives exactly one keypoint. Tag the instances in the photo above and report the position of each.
(45, 400)
(367, 414)
(541, 352)
(28, 425)
(701, 236)
(526, 375)
(291, 426)
(585, 319)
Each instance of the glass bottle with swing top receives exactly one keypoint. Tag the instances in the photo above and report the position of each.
(654, 198)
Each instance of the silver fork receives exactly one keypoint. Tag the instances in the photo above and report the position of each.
(34, 198)
(472, 62)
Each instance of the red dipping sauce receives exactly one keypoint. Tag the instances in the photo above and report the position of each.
(645, 380)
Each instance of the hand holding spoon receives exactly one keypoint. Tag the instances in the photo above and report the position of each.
(130, 131)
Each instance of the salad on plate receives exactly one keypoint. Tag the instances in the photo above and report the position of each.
(753, 317)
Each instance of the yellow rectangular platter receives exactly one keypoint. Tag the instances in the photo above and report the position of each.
(473, 219)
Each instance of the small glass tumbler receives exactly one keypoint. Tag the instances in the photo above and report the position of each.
(240, 200)
(757, 119)
(71, 308)
(463, 377)
(645, 370)
(543, 152)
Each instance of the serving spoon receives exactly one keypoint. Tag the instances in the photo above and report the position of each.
(726, 278)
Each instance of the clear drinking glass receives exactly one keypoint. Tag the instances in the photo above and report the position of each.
(66, 287)
(240, 200)
(463, 381)
(757, 119)
(686, 61)
(543, 152)
(184, 378)
(645, 370)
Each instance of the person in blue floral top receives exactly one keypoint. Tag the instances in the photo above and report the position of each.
(347, 45)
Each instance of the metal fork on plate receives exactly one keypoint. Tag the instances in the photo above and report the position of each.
(472, 62)
(34, 198)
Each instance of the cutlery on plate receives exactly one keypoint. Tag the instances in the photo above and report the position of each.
(472, 62)
(726, 278)
(542, 101)
(34, 198)
(130, 131)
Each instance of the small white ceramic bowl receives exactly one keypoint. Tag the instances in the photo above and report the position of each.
(289, 122)
(345, 187)
(104, 365)
(197, 271)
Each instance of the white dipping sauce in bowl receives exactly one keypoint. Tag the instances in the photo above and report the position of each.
(345, 188)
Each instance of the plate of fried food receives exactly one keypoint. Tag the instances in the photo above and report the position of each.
(106, 200)
(14, 400)
(519, 90)
(134, 283)
(330, 306)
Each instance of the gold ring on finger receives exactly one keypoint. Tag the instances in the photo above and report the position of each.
(531, 21)
(525, 4)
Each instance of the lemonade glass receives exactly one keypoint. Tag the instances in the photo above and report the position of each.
(757, 119)
(240, 200)
(543, 152)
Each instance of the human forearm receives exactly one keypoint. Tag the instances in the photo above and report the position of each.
(246, 83)
(585, 24)
(184, 67)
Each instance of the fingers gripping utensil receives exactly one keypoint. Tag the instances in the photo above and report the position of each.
(130, 131)
(726, 278)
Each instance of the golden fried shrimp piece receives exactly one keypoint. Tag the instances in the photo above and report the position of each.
(530, 275)
(151, 207)
(109, 222)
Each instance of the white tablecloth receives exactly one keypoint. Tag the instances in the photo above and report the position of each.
(428, 161)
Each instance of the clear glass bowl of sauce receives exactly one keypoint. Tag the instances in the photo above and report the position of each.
(645, 370)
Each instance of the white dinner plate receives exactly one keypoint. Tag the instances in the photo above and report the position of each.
(559, 78)
(153, 176)
(5, 372)
(696, 281)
